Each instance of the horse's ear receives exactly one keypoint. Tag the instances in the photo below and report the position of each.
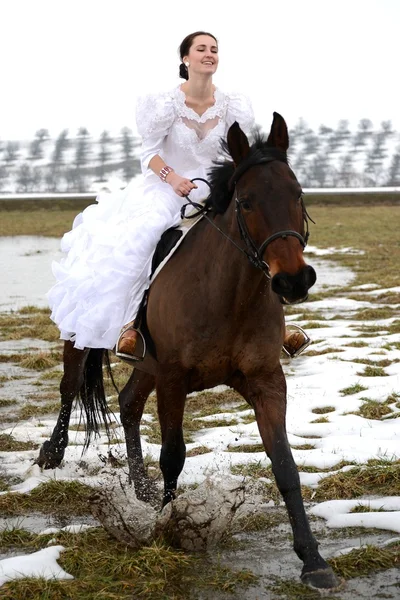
(238, 144)
(278, 136)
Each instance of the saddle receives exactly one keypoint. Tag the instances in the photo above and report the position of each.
(166, 247)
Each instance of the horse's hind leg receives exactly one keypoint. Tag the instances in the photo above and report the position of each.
(132, 400)
(267, 394)
(52, 451)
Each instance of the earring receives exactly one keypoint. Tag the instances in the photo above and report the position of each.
(187, 64)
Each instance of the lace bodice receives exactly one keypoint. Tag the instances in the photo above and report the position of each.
(188, 142)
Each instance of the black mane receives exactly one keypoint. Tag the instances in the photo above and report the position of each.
(223, 175)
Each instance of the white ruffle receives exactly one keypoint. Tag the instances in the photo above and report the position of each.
(101, 281)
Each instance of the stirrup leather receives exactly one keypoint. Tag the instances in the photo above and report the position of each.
(305, 344)
(131, 357)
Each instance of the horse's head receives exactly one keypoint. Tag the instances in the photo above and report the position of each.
(270, 208)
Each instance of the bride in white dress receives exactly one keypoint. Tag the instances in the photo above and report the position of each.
(105, 273)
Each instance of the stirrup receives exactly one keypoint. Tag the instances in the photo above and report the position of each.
(131, 357)
(305, 344)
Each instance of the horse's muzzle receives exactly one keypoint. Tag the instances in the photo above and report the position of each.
(294, 288)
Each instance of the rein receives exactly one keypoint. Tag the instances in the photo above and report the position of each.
(253, 254)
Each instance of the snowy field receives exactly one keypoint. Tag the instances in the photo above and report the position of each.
(343, 412)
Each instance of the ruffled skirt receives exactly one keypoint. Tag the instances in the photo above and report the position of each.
(102, 279)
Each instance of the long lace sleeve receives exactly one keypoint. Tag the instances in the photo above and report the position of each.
(154, 117)
(240, 110)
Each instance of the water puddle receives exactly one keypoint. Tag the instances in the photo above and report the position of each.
(25, 267)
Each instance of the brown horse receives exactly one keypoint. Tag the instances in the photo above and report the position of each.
(215, 317)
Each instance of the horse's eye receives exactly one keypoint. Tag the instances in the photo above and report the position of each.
(245, 205)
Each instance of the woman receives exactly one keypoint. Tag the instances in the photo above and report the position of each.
(103, 278)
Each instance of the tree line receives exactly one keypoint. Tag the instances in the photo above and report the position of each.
(327, 157)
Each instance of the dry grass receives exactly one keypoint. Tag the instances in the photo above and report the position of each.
(259, 521)
(9, 444)
(382, 479)
(41, 361)
(315, 352)
(320, 420)
(247, 448)
(335, 227)
(37, 410)
(374, 314)
(197, 451)
(31, 322)
(303, 447)
(370, 371)
(371, 409)
(37, 221)
(323, 410)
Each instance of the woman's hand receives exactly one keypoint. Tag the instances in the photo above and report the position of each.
(180, 185)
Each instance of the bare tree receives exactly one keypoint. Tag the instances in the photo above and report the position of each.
(24, 178)
(128, 143)
(11, 152)
(104, 154)
(394, 169)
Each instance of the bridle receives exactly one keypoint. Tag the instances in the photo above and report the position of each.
(251, 251)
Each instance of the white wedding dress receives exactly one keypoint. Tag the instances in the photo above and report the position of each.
(105, 273)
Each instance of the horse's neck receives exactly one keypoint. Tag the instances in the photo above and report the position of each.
(238, 281)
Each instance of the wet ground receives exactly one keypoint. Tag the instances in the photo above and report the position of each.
(267, 553)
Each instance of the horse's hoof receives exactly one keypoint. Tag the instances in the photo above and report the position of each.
(321, 578)
(147, 491)
(48, 458)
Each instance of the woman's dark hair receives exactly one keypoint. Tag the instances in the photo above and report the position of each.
(184, 50)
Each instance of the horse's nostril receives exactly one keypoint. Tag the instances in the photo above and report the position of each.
(281, 284)
(310, 276)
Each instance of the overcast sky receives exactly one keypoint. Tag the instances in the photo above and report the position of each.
(67, 63)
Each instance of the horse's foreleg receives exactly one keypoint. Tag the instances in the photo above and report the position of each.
(132, 400)
(171, 398)
(267, 395)
(52, 451)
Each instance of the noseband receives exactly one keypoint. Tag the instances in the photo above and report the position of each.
(252, 252)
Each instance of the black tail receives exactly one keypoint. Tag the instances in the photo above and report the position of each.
(93, 397)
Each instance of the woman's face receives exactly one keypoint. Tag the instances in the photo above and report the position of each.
(203, 55)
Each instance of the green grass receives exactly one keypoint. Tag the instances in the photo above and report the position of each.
(106, 569)
(352, 389)
(363, 561)
(62, 498)
(361, 508)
